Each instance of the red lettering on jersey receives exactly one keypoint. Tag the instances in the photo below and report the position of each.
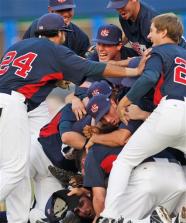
(180, 71)
(23, 63)
(7, 59)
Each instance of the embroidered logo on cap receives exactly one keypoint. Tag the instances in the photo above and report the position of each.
(96, 92)
(105, 32)
(94, 108)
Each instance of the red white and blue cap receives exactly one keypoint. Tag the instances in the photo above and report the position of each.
(51, 21)
(109, 34)
(117, 4)
(61, 4)
(99, 87)
(98, 106)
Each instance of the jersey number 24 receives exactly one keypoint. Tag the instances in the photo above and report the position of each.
(23, 63)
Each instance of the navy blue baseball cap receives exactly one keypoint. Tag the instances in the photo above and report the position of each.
(117, 4)
(60, 204)
(51, 21)
(61, 4)
(109, 34)
(98, 106)
(129, 81)
(99, 87)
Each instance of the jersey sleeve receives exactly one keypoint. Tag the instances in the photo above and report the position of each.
(75, 68)
(67, 120)
(148, 79)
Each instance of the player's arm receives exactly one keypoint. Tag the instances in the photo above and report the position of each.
(112, 139)
(148, 80)
(81, 69)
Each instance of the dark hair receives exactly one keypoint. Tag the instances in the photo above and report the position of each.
(47, 33)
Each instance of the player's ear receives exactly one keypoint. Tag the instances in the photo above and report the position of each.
(49, 9)
(164, 33)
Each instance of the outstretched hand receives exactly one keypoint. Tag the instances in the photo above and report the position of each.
(146, 55)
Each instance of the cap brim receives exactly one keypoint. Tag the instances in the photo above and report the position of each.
(116, 5)
(62, 7)
(103, 112)
(104, 41)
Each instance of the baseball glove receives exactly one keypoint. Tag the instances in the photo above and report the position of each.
(63, 84)
(66, 178)
(89, 130)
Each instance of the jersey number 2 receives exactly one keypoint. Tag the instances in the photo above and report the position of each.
(180, 71)
(23, 63)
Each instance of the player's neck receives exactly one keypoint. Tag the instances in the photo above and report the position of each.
(136, 12)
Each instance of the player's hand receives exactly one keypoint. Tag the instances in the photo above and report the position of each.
(145, 57)
(89, 144)
(78, 108)
(63, 84)
(89, 130)
(133, 112)
(122, 108)
(75, 191)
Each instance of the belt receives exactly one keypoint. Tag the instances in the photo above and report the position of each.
(170, 160)
(10, 93)
(181, 98)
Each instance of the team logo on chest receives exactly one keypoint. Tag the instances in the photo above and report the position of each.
(94, 108)
(105, 32)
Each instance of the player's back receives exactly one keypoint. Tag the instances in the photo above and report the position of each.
(174, 69)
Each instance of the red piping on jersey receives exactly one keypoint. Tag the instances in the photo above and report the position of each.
(157, 93)
(52, 127)
(106, 164)
(30, 89)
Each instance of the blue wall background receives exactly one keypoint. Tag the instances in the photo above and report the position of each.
(27, 9)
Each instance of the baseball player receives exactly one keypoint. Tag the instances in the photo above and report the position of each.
(135, 19)
(109, 47)
(29, 71)
(49, 150)
(77, 40)
(166, 125)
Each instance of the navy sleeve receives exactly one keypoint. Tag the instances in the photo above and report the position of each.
(132, 126)
(80, 92)
(67, 119)
(79, 125)
(94, 175)
(148, 79)
(75, 68)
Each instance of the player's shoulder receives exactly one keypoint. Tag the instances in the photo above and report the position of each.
(77, 31)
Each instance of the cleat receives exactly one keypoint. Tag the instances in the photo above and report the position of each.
(160, 215)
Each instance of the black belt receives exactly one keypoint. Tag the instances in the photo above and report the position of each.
(170, 160)
(181, 98)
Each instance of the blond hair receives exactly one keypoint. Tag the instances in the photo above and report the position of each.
(171, 23)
